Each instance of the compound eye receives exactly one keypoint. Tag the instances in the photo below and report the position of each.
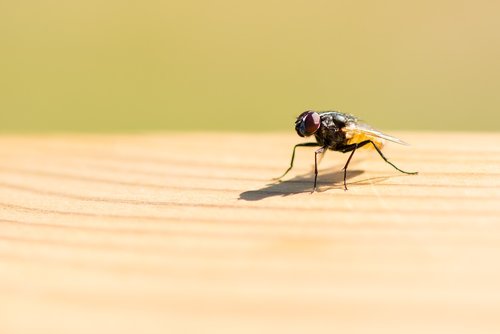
(311, 123)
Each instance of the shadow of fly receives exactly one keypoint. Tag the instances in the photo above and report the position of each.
(339, 132)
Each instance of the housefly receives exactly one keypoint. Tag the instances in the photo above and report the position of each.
(340, 132)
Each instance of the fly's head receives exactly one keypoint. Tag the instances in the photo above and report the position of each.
(307, 123)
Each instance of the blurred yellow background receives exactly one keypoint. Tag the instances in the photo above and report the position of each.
(230, 65)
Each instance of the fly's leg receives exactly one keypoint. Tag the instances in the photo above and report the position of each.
(347, 164)
(385, 159)
(350, 148)
(293, 157)
(318, 151)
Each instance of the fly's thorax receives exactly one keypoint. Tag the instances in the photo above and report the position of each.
(329, 134)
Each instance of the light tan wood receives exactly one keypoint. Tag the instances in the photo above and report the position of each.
(186, 233)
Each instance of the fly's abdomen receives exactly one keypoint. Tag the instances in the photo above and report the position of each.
(353, 138)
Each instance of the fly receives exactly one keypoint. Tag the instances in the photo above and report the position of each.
(340, 132)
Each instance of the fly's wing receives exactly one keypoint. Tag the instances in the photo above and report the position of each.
(357, 128)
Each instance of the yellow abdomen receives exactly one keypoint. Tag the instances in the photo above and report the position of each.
(361, 137)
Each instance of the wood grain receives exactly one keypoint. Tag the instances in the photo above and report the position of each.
(186, 233)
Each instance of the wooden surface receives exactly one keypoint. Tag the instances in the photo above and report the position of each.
(185, 233)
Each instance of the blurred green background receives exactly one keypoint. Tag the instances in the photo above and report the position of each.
(88, 65)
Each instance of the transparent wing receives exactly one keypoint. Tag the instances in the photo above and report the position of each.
(363, 128)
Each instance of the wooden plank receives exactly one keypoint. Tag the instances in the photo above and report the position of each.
(186, 232)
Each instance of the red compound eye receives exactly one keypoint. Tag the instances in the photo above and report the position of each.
(307, 123)
(312, 121)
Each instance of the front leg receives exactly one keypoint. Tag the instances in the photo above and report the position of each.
(318, 151)
(293, 157)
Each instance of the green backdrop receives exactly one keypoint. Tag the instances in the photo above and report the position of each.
(93, 65)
